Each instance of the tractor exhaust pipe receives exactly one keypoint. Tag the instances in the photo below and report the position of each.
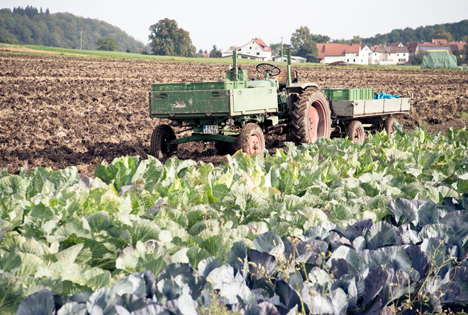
(234, 57)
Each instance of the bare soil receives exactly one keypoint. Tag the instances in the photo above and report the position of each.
(61, 112)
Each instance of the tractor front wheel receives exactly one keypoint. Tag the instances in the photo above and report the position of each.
(355, 131)
(161, 146)
(310, 116)
(251, 139)
(389, 126)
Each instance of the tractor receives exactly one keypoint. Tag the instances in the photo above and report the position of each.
(236, 113)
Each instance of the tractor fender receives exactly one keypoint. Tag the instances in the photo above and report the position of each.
(297, 87)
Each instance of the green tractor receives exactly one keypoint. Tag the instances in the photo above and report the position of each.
(236, 113)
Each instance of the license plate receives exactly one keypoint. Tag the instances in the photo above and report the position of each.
(210, 128)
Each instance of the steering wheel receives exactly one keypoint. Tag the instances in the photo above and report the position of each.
(268, 69)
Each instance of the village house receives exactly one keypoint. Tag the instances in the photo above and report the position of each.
(389, 55)
(436, 44)
(350, 53)
(256, 49)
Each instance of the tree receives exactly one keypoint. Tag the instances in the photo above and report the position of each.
(465, 52)
(303, 44)
(356, 40)
(321, 38)
(309, 50)
(59, 30)
(341, 41)
(107, 43)
(441, 34)
(9, 41)
(167, 39)
(200, 54)
(215, 53)
(417, 59)
(276, 49)
(459, 55)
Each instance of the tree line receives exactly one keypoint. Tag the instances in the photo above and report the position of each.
(32, 26)
(451, 31)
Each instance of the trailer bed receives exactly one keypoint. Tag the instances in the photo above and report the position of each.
(213, 103)
(363, 108)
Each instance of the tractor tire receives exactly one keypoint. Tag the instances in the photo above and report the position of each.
(160, 142)
(389, 126)
(251, 139)
(355, 131)
(224, 148)
(310, 116)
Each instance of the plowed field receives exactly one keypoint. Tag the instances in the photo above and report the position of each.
(60, 112)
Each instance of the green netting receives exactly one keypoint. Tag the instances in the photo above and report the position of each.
(436, 59)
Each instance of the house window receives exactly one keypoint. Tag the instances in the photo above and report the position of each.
(354, 60)
(348, 60)
(258, 54)
(250, 47)
(403, 55)
(397, 55)
(375, 54)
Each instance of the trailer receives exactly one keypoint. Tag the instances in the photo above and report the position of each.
(236, 113)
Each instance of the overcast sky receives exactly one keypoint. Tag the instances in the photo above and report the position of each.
(226, 23)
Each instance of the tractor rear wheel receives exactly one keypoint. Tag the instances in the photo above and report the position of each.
(389, 126)
(310, 116)
(161, 146)
(251, 139)
(355, 131)
(224, 148)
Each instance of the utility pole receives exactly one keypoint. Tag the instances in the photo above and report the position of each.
(281, 49)
(81, 40)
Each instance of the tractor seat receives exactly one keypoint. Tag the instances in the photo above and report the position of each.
(283, 77)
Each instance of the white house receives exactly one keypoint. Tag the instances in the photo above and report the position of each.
(349, 53)
(389, 55)
(255, 49)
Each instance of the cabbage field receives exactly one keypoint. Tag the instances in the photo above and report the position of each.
(327, 228)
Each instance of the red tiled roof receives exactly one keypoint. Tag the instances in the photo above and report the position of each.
(457, 45)
(262, 44)
(412, 46)
(337, 49)
(440, 41)
(390, 49)
(437, 44)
